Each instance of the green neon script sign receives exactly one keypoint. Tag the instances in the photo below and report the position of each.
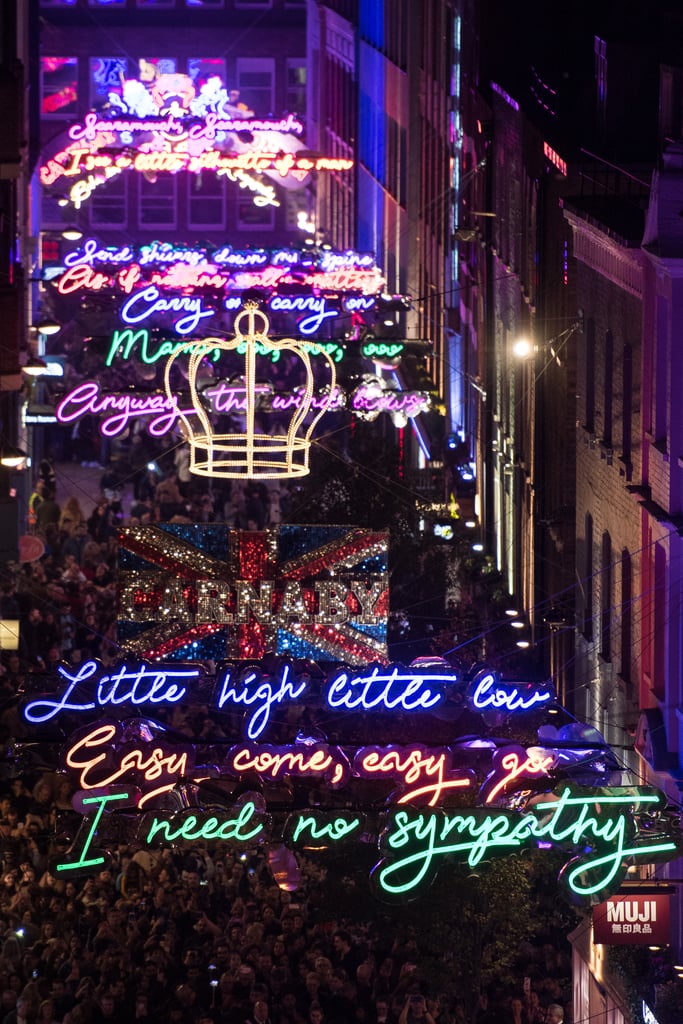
(604, 829)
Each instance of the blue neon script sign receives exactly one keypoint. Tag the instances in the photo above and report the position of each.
(375, 688)
(133, 687)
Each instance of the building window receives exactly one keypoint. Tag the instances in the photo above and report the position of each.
(590, 376)
(296, 203)
(606, 598)
(608, 388)
(661, 378)
(201, 69)
(109, 203)
(205, 201)
(151, 68)
(295, 99)
(157, 201)
(395, 159)
(627, 391)
(51, 213)
(107, 75)
(252, 217)
(600, 52)
(588, 580)
(255, 79)
(626, 615)
(659, 637)
(59, 86)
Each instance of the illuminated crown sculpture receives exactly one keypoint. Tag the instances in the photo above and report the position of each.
(249, 454)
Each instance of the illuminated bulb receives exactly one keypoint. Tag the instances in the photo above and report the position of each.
(523, 644)
(470, 524)
(522, 348)
(517, 624)
(511, 612)
(477, 547)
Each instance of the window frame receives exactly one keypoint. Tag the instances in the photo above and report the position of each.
(142, 183)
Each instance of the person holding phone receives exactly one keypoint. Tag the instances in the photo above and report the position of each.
(415, 1010)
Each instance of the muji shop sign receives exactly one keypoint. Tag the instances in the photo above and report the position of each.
(633, 919)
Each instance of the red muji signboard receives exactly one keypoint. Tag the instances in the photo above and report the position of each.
(634, 919)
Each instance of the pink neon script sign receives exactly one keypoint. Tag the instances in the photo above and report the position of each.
(86, 398)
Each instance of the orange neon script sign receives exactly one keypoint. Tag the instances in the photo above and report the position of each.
(422, 772)
(318, 760)
(532, 763)
(101, 757)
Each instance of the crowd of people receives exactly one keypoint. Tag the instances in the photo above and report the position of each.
(65, 600)
(202, 935)
(199, 936)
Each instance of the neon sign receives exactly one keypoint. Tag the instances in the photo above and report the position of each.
(93, 125)
(601, 828)
(309, 760)
(603, 831)
(264, 194)
(304, 303)
(139, 686)
(133, 687)
(247, 825)
(102, 756)
(146, 303)
(317, 830)
(168, 266)
(183, 131)
(510, 765)
(382, 349)
(189, 827)
(118, 411)
(371, 398)
(91, 861)
(316, 288)
(488, 694)
(264, 694)
(422, 772)
(386, 689)
(123, 343)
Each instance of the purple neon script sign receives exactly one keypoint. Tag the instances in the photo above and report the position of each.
(118, 410)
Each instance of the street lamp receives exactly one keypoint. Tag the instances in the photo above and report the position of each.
(523, 348)
(10, 456)
(47, 327)
(34, 366)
